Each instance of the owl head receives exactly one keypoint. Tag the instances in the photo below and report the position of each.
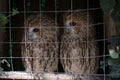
(75, 22)
(34, 31)
(39, 26)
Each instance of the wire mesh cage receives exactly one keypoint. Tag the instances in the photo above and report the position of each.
(59, 39)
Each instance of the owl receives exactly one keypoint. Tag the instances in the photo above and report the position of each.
(78, 48)
(39, 48)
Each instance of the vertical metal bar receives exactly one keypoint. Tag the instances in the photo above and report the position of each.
(10, 38)
(24, 27)
(104, 32)
(87, 15)
(56, 40)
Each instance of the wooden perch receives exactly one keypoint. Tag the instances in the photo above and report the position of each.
(25, 75)
(45, 76)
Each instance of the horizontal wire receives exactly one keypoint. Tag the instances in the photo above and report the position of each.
(53, 11)
(23, 27)
(99, 56)
(21, 42)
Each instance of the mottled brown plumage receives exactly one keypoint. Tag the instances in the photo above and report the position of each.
(39, 48)
(78, 49)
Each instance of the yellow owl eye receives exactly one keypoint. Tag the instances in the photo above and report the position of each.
(72, 23)
(36, 30)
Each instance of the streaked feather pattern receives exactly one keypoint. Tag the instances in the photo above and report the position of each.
(39, 50)
(78, 49)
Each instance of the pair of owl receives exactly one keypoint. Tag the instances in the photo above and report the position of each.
(78, 48)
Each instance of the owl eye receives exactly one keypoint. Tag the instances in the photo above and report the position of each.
(36, 30)
(72, 23)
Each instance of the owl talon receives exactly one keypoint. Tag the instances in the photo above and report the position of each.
(38, 76)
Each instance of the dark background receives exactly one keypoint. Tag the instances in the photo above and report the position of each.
(63, 5)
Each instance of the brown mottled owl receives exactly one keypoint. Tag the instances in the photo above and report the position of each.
(39, 48)
(78, 49)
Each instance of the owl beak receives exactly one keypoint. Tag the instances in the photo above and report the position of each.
(69, 29)
(31, 35)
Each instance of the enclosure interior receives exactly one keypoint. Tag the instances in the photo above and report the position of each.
(54, 8)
